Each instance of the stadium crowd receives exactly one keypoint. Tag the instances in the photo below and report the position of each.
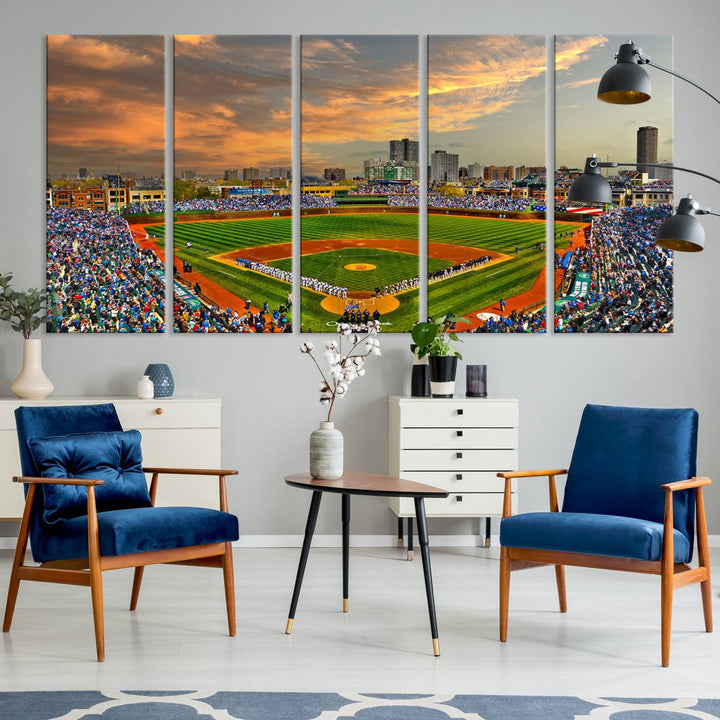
(631, 279)
(515, 321)
(98, 278)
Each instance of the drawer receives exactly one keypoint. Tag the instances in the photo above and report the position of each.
(459, 437)
(457, 460)
(459, 413)
(455, 505)
(168, 413)
(460, 481)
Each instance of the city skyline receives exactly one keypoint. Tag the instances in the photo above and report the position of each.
(583, 124)
(358, 93)
(232, 102)
(105, 104)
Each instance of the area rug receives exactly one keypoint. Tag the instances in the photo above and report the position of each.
(189, 705)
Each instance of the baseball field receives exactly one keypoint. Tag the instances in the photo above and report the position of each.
(362, 252)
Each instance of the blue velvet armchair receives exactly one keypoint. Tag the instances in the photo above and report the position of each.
(632, 502)
(88, 509)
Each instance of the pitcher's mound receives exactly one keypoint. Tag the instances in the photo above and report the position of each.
(364, 300)
(360, 266)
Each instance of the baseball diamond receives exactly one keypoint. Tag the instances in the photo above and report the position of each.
(385, 245)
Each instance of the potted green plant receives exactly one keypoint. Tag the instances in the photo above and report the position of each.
(435, 339)
(25, 311)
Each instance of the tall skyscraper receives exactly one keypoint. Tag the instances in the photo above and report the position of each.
(230, 175)
(404, 150)
(647, 146)
(444, 167)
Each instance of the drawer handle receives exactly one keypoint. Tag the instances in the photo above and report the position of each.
(158, 411)
(458, 498)
(459, 433)
(458, 476)
(458, 455)
(460, 411)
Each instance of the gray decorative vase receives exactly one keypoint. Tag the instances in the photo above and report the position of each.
(326, 452)
(162, 379)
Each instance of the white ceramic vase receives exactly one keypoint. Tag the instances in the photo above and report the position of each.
(145, 388)
(326, 452)
(32, 383)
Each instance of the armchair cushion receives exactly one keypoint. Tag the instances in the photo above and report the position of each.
(138, 530)
(114, 457)
(592, 534)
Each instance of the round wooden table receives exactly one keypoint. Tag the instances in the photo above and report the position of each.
(362, 483)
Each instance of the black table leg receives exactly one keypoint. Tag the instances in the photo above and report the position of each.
(400, 532)
(425, 553)
(410, 551)
(487, 532)
(346, 548)
(309, 530)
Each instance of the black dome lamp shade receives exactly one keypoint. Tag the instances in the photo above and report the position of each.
(625, 83)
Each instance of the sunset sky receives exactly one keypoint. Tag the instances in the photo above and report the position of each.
(487, 98)
(358, 92)
(105, 104)
(232, 102)
(584, 124)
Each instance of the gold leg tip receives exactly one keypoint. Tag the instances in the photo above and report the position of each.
(411, 554)
(346, 605)
(436, 647)
(401, 542)
(288, 627)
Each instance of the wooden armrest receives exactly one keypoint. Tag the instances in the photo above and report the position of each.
(531, 473)
(57, 481)
(189, 471)
(686, 484)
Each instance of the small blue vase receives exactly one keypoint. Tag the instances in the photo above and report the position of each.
(162, 379)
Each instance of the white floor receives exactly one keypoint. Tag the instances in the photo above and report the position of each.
(607, 644)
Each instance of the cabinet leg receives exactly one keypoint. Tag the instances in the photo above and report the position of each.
(410, 552)
(487, 532)
(400, 533)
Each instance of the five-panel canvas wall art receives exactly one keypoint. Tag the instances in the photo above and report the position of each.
(468, 200)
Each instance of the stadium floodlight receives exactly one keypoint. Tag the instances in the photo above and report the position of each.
(679, 232)
(626, 83)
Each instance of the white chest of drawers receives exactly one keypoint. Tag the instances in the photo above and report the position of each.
(458, 444)
(176, 432)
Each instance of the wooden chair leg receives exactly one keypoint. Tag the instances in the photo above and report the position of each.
(229, 578)
(504, 592)
(96, 588)
(666, 581)
(560, 580)
(18, 560)
(704, 559)
(137, 581)
(666, 599)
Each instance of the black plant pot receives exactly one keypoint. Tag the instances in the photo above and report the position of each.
(442, 375)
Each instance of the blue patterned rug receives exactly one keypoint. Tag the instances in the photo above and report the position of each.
(188, 705)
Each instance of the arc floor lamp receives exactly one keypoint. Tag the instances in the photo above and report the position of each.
(627, 83)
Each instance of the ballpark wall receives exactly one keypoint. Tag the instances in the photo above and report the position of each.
(268, 388)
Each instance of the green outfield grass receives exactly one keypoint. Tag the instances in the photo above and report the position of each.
(521, 240)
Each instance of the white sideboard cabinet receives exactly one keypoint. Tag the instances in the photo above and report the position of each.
(458, 444)
(176, 432)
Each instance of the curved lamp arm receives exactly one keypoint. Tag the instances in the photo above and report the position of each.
(647, 61)
(659, 165)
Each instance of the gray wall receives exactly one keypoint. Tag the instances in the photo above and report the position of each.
(268, 388)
